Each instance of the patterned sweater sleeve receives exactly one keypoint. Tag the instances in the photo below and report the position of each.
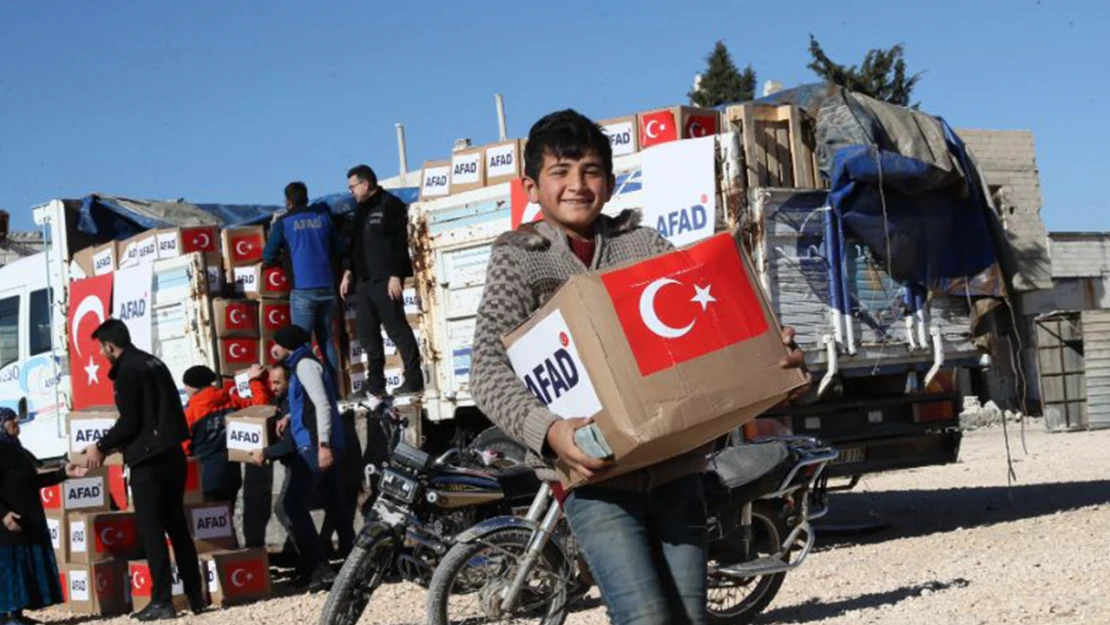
(506, 303)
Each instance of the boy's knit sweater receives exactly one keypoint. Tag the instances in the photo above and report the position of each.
(526, 267)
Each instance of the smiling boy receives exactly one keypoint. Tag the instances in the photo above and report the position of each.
(643, 533)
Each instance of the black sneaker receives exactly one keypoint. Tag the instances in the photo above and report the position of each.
(321, 579)
(407, 389)
(155, 612)
(197, 603)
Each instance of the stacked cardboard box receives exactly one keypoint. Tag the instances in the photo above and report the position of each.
(98, 544)
(250, 429)
(502, 162)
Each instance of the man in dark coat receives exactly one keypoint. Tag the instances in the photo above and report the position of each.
(150, 430)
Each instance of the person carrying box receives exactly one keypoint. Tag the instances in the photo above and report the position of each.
(643, 533)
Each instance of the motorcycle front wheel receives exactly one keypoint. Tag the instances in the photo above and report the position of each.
(733, 601)
(469, 581)
(362, 573)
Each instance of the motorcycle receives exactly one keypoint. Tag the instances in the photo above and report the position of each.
(761, 499)
(420, 504)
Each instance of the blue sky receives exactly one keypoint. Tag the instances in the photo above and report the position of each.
(227, 101)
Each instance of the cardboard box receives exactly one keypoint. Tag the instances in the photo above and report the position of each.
(236, 576)
(257, 282)
(235, 318)
(356, 378)
(79, 494)
(194, 491)
(203, 239)
(412, 305)
(624, 134)
(653, 351)
(467, 170)
(99, 536)
(249, 429)
(676, 122)
(504, 161)
(139, 249)
(437, 180)
(99, 588)
(243, 246)
(96, 261)
(58, 525)
(236, 354)
(266, 355)
(142, 583)
(212, 526)
(273, 315)
(215, 280)
(394, 377)
(118, 490)
(87, 427)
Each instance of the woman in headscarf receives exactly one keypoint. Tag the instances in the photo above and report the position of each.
(28, 571)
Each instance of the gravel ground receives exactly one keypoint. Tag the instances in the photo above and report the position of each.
(951, 545)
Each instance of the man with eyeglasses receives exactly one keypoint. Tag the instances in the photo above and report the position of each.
(379, 263)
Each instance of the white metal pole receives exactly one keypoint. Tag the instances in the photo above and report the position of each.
(502, 131)
(401, 153)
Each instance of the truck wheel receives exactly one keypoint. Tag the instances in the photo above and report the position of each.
(494, 439)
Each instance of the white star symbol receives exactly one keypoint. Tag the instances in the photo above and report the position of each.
(702, 296)
(92, 370)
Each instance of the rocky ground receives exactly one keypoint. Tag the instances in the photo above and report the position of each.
(947, 545)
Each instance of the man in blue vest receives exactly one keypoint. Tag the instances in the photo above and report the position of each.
(306, 239)
(318, 436)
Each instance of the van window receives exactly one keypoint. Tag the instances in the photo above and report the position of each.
(9, 330)
(40, 321)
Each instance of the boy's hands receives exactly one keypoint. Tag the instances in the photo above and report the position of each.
(560, 438)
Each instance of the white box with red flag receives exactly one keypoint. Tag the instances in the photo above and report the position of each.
(79, 494)
(99, 588)
(98, 536)
(666, 354)
(235, 318)
(259, 281)
(236, 576)
(674, 123)
(142, 586)
(242, 246)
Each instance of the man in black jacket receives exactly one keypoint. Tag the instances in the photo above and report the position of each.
(378, 265)
(150, 430)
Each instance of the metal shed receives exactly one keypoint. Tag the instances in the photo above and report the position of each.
(1073, 356)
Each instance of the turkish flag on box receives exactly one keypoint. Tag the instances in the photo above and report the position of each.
(142, 586)
(274, 314)
(99, 588)
(90, 304)
(103, 535)
(235, 318)
(274, 282)
(243, 245)
(666, 354)
(200, 239)
(236, 576)
(236, 354)
(676, 122)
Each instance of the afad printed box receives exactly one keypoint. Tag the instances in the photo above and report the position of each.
(58, 526)
(87, 427)
(79, 494)
(504, 161)
(95, 261)
(142, 585)
(99, 536)
(248, 430)
(236, 576)
(437, 180)
(666, 354)
(212, 526)
(99, 588)
(623, 133)
(468, 171)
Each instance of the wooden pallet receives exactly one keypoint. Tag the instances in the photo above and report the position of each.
(779, 145)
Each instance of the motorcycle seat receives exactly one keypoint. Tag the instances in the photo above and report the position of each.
(736, 467)
(517, 481)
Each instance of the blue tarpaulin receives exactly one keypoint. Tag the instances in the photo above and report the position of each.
(107, 217)
(934, 232)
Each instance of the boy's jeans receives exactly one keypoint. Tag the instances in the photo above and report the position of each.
(647, 551)
(314, 310)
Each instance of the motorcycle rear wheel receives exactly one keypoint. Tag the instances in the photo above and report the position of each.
(474, 573)
(362, 573)
(738, 602)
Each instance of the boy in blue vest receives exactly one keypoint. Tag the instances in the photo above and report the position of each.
(317, 433)
(306, 239)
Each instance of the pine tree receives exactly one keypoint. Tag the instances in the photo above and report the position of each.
(882, 75)
(722, 82)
